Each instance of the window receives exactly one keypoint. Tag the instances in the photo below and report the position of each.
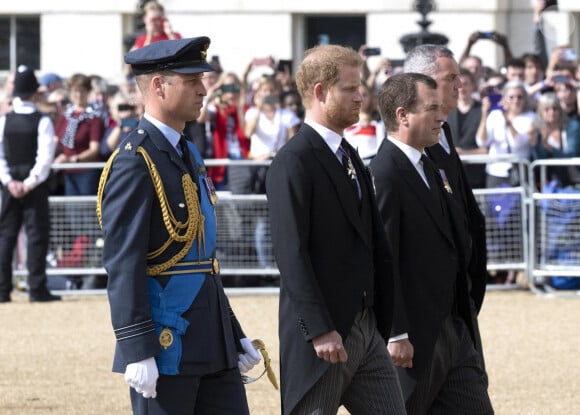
(19, 42)
(341, 30)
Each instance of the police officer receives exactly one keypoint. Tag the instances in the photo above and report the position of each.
(26, 153)
(178, 342)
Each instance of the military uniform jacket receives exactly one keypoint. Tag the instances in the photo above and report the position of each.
(133, 226)
(323, 248)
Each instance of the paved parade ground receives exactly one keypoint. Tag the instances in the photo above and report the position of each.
(55, 358)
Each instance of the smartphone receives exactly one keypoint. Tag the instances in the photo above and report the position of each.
(159, 21)
(271, 100)
(129, 122)
(560, 79)
(283, 65)
(125, 107)
(485, 35)
(372, 51)
(495, 99)
(569, 55)
(233, 88)
(262, 61)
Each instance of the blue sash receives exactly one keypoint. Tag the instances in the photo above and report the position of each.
(169, 303)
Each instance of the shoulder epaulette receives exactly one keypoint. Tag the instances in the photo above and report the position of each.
(133, 141)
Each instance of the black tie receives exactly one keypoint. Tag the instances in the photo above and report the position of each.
(430, 174)
(349, 166)
(447, 131)
(185, 156)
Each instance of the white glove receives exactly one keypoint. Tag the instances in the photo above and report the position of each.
(142, 376)
(251, 358)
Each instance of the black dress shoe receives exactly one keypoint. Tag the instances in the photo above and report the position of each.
(5, 298)
(44, 297)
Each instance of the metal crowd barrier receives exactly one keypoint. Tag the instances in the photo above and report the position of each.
(519, 232)
(506, 216)
(555, 229)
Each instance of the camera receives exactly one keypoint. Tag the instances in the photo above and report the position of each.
(485, 35)
(372, 51)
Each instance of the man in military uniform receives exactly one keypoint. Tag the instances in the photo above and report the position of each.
(26, 153)
(178, 342)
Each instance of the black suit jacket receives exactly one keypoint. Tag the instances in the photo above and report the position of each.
(462, 192)
(425, 240)
(326, 252)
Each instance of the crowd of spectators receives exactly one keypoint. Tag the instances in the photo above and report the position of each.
(527, 107)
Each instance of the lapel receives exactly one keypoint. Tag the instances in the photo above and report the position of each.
(162, 144)
(419, 189)
(338, 178)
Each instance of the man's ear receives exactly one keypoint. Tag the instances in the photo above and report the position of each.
(320, 92)
(401, 114)
(158, 85)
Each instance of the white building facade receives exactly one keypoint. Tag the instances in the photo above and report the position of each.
(87, 36)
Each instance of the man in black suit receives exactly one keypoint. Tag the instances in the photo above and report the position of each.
(336, 281)
(431, 342)
(438, 62)
(179, 344)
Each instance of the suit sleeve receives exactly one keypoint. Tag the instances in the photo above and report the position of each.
(126, 211)
(290, 191)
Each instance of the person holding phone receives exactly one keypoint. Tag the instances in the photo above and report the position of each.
(506, 131)
(157, 26)
(125, 112)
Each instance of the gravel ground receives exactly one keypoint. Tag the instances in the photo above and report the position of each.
(56, 358)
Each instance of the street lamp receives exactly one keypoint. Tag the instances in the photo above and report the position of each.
(424, 36)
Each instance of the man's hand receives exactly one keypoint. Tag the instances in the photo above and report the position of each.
(142, 376)
(246, 361)
(17, 189)
(329, 347)
(401, 352)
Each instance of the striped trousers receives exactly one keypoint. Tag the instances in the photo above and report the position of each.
(365, 384)
(455, 381)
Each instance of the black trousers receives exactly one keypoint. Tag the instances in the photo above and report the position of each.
(215, 394)
(32, 212)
